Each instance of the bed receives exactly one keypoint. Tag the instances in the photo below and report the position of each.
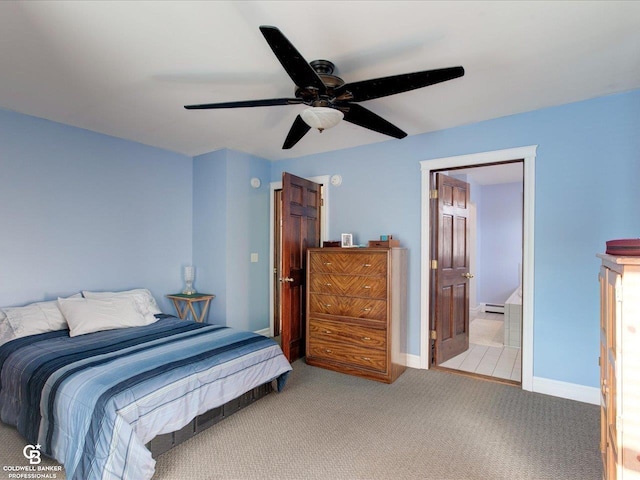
(95, 402)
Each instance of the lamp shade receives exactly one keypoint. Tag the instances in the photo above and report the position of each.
(321, 117)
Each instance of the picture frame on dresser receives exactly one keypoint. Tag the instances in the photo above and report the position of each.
(346, 240)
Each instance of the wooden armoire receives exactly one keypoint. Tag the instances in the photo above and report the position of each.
(620, 366)
(356, 320)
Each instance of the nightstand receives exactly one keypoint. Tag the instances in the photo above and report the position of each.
(185, 304)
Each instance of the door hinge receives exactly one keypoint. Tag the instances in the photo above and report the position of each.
(434, 264)
(433, 335)
(322, 202)
(433, 194)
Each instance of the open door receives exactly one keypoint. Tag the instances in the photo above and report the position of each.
(450, 269)
(301, 200)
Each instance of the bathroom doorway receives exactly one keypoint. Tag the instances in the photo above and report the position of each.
(527, 155)
(495, 266)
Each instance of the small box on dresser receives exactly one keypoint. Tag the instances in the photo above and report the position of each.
(620, 366)
(357, 311)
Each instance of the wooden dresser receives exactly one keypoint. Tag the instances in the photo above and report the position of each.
(357, 310)
(620, 366)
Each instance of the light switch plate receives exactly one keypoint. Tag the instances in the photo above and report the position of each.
(254, 258)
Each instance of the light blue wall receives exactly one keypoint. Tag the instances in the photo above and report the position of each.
(587, 173)
(499, 229)
(80, 210)
(231, 221)
(209, 225)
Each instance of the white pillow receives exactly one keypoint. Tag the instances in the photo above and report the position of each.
(87, 315)
(39, 317)
(6, 332)
(142, 297)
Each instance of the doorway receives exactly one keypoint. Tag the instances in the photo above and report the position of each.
(527, 155)
(275, 224)
(494, 309)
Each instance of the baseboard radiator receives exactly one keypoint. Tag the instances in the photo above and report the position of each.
(493, 307)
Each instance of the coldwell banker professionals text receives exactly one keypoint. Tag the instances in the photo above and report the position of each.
(32, 471)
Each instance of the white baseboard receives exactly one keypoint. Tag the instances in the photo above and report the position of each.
(413, 361)
(265, 332)
(572, 391)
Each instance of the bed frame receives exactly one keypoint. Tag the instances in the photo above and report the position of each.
(165, 442)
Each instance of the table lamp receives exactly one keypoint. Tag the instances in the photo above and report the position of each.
(189, 276)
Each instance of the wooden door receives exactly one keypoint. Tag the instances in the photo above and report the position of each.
(301, 200)
(450, 272)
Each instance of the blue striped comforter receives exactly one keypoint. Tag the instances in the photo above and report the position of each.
(93, 401)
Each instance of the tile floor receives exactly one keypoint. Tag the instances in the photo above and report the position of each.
(484, 356)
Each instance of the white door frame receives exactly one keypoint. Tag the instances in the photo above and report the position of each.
(324, 230)
(477, 159)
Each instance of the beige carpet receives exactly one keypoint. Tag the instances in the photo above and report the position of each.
(428, 425)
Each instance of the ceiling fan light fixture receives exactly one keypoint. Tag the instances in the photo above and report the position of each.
(321, 117)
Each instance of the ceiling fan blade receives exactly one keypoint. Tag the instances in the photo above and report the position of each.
(298, 130)
(302, 74)
(363, 117)
(247, 103)
(382, 87)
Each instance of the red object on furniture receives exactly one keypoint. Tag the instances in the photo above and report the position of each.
(624, 247)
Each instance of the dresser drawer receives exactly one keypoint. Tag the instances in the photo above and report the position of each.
(350, 263)
(347, 333)
(348, 354)
(353, 285)
(368, 308)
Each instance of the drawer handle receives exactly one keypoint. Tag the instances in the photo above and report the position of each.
(366, 358)
(328, 350)
(326, 331)
(327, 305)
(367, 309)
(327, 263)
(328, 284)
(366, 264)
(366, 338)
(367, 286)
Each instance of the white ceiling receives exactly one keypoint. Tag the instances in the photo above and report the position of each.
(127, 68)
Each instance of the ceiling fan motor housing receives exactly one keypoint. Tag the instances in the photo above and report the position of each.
(323, 66)
(324, 69)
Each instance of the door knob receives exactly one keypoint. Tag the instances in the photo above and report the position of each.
(286, 280)
(467, 275)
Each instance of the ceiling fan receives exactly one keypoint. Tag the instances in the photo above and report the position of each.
(331, 99)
